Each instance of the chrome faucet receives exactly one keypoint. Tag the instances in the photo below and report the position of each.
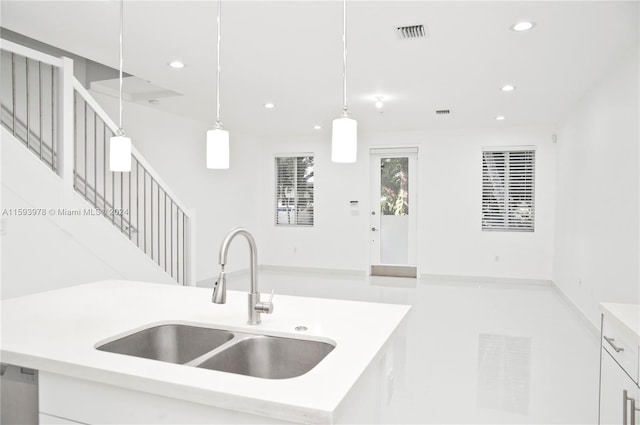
(220, 288)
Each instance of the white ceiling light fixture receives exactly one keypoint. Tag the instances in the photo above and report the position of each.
(317, 127)
(119, 145)
(176, 64)
(508, 88)
(500, 118)
(379, 102)
(218, 139)
(269, 105)
(523, 26)
(344, 137)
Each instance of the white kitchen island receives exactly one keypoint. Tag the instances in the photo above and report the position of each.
(56, 333)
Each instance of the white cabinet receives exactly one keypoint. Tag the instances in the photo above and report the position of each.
(70, 400)
(618, 391)
(73, 400)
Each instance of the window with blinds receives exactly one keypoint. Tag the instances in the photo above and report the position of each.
(508, 183)
(294, 190)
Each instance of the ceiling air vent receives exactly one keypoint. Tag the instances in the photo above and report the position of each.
(443, 112)
(412, 31)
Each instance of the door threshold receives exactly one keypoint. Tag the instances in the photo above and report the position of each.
(394, 271)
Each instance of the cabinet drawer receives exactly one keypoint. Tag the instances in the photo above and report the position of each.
(623, 347)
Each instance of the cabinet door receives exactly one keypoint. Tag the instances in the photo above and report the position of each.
(613, 405)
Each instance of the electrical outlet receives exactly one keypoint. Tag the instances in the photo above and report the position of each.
(496, 258)
(295, 249)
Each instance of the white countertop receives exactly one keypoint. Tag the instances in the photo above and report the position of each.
(628, 315)
(56, 331)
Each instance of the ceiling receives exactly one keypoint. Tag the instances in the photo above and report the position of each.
(290, 53)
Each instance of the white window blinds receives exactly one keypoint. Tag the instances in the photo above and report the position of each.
(294, 190)
(508, 183)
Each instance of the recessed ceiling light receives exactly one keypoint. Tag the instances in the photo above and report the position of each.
(176, 64)
(508, 87)
(379, 102)
(317, 127)
(269, 105)
(523, 26)
(500, 118)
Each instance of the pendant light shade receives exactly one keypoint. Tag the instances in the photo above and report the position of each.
(344, 136)
(344, 140)
(120, 154)
(218, 149)
(218, 139)
(120, 146)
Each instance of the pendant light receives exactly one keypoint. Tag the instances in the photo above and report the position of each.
(344, 137)
(218, 139)
(119, 145)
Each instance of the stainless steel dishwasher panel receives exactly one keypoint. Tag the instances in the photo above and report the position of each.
(19, 396)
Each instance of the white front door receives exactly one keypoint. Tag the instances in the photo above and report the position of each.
(393, 231)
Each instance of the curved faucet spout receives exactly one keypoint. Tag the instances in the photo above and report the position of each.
(256, 307)
(253, 252)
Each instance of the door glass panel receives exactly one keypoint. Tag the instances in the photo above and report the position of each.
(394, 210)
(394, 186)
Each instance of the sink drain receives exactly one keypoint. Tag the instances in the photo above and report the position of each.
(301, 328)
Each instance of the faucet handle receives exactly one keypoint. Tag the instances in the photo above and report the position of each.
(266, 307)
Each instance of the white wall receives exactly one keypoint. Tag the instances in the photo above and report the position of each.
(449, 190)
(449, 184)
(41, 253)
(596, 241)
(223, 199)
(175, 147)
(336, 239)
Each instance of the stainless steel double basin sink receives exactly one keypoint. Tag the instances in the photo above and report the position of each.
(249, 354)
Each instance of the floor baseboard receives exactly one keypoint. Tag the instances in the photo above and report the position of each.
(312, 270)
(483, 279)
(593, 327)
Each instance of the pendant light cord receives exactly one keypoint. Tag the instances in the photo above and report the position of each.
(218, 123)
(120, 131)
(344, 58)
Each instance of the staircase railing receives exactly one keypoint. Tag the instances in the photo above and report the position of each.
(29, 89)
(67, 129)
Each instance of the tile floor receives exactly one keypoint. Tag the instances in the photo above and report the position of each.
(475, 352)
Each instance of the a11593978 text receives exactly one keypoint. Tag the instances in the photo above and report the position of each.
(63, 212)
